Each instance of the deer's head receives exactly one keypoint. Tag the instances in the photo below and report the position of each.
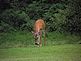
(36, 37)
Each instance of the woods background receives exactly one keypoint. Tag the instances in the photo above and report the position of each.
(59, 15)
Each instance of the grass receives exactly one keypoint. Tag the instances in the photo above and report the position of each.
(19, 46)
(67, 52)
(25, 39)
(16, 39)
(56, 38)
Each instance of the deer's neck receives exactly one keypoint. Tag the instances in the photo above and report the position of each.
(37, 29)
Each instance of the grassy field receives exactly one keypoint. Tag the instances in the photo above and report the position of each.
(19, 46)
(25, 39)
(67, 52)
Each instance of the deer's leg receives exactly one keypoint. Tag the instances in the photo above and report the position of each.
(44, 37)
(40, 38)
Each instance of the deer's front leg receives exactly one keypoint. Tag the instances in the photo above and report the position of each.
(40, 44)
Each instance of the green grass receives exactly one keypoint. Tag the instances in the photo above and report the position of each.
(67, 52)
(55, 38)
(16, 39)
(19, 46)
(25, 39)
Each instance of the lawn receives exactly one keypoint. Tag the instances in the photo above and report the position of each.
(66, 52)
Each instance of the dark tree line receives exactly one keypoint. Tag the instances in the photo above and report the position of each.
(60, 15)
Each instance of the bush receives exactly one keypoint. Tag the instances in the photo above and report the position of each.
(59, 15)
(16, 19)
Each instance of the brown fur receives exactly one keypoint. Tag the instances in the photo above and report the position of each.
(38, 27)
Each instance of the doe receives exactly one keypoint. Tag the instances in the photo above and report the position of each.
(39, 28)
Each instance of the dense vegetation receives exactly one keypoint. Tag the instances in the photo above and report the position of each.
(24, 39)
(60, 15)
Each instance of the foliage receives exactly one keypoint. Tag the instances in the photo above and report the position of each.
(59, 15)
(73, 21)
(16, 19)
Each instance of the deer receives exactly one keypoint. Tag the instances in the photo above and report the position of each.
(39, 28)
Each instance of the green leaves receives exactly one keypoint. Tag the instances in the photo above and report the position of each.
(58, 14)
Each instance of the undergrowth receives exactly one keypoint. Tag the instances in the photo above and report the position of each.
(25, 39)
